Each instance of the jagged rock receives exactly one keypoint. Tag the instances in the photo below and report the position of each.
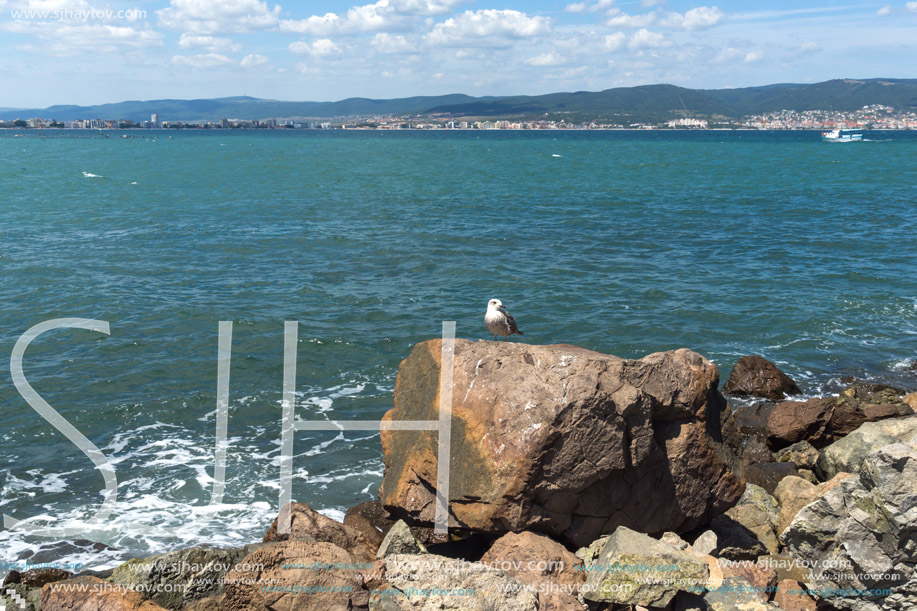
(762, 578)
(755, 376)
(589, 553)
(563, 440)
(308, 525)
(400, 540)
(861, 534)
(847, 454)
(631, 571)
(801, 454)
(27, 587)
(768, 475)
(297, 575)
(911, 401)
(794, 493)
(748, 527)
(176, 579)
(808, 475)
(669, 538)
(755, 450)
(543, 565)
(736, 593)
(93, 594)
(371, 519)
(752, 419)
(705, 544)
(791, 596)
(793, 421)
(489, 589)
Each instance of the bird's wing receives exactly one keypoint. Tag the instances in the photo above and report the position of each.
(510, 322)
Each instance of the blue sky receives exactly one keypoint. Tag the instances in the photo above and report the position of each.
(93, 51)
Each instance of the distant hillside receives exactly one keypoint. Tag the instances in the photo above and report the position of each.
(644, 103)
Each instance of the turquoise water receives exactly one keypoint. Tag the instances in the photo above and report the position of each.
(729, 243)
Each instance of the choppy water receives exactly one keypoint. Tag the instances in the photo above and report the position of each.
(628, 243)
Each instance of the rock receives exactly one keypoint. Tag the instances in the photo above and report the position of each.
(801, 454)
(749, 526)
(768, 475)
(794, 421)
(297, 575)
(862, 403)
(632, 571)
(93, 594)
(808, 475)
(860, 534)
(400, 540)
(705, 544)
(467, 586)
(590, 553)
(752, 419)
(565, 441)
(911, 401)
(794, 493)
(755, 450)
(755, 376)
(542, 564)
(736, 593)
(791, 596)
(307, 524)
(690, 602)
(176, 579)
(371, 519)
(761, 577)
(669, 538)
(22, 591)
(847, 454)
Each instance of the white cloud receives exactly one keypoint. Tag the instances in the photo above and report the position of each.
(585, 7)
(487, 27)
(208, 60)
(253, 59)
(615, 41)
(911, 6)
(391, 43)
(644, 39)
(754, 56)
(323, 47)
(698, 18)
(885, 10)
(545, 59)
(62, 38)
(212, 43)
(383, 15)
(215, 16)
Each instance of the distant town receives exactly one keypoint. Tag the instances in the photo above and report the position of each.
(875, 117)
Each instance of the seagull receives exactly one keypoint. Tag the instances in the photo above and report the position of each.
(499, 321)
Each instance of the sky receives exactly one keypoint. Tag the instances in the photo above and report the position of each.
(93, 52)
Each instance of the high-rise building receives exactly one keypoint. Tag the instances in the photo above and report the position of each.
(154, 119)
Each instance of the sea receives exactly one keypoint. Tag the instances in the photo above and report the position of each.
(729, 243)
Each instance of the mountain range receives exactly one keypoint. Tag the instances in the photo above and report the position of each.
(643, 103)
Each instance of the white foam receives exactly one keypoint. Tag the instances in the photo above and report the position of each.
(89, 175)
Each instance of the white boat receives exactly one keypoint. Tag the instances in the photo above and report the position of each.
(843, 135)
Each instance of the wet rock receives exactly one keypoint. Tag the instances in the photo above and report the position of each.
(541, 564)
(794, 421)
(296, 575)
(847, 454)
(860, 534)
(371, 519)
(93, 594)
(755, 376)
(752, 419)
(631, 571)
(791, 596)
(307, 524)
(801, 454)
(768, 475)
(400, 540)
(456, 584)
(565, 441)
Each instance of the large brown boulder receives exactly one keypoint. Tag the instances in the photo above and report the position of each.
(565, 441)
(93, 594)
(308, 524)
(755, 376)
(793, 421)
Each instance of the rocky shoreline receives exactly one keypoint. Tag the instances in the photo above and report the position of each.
(579, 481)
